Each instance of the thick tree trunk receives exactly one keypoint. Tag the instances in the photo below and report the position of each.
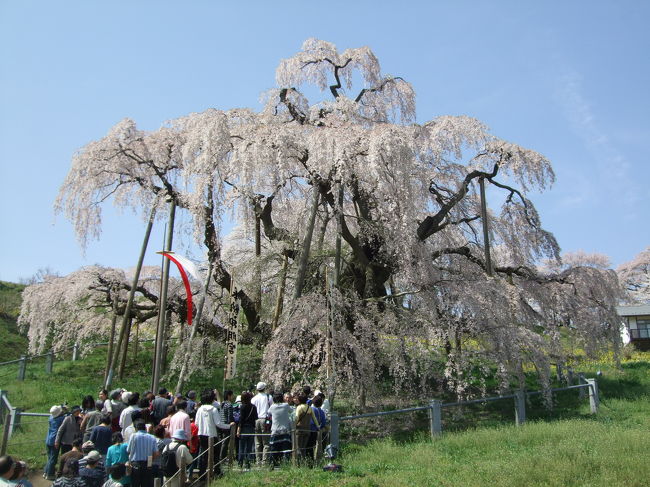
(306, 244)
(280, 300)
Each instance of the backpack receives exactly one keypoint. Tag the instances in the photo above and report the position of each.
(168, 461)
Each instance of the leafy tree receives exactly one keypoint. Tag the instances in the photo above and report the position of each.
(413, 285)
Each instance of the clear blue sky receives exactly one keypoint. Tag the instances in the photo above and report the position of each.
(568, 79)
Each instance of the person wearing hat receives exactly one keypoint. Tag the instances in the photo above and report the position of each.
(116, 407)
(90, 472)
(262, 401)
(69, 430)
(178, 445)
(54, 423)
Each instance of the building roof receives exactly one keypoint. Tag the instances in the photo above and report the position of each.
(638, 310)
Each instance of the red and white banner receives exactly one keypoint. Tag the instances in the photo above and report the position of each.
(185, 267)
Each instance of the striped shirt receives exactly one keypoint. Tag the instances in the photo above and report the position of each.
(141, 446)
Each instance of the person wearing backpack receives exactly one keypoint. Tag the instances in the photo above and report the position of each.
(173, 455)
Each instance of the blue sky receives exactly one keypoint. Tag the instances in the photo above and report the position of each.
(568, 79)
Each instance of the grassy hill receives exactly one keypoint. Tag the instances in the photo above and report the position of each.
(566, 447)
(12, 343)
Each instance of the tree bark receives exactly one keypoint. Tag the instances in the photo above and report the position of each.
(306, 244)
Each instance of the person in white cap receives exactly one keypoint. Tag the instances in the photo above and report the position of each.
(262, 401)
(55, 420)
(181, 453)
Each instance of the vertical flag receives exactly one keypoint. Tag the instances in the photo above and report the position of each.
(232, 334)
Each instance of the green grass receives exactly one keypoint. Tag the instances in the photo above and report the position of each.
(70, 381)
(565, 448)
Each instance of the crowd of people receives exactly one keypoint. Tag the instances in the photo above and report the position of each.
(125, 438)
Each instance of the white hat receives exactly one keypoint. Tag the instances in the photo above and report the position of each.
(180, 434)
(126, 396)
(55, 411)
(238, 399)
(261, 386)
(93, 456)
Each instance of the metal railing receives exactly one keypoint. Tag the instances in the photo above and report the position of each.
(51, 354)
(435, 408)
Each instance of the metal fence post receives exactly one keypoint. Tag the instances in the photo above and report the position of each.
(593, 395)
(581, 380)
(22, 367)
(75, 352)
(49, 362)
(335, 423)
(156, 482)
(520, 407)
(570, 376)
(15, 420)
(435, 417)
(3, 398)
(5, 435)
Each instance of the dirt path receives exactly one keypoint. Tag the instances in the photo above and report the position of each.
(36, 478)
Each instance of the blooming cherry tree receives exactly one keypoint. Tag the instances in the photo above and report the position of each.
(422, 278)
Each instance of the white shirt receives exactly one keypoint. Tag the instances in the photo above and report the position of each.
(125, 417)
(208, 419)
(262, 402)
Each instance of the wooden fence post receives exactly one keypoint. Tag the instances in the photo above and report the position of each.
(5, 435)
(593, 395)
(520, 407)
(294, 448)
(232, 454)
(182, 473)
(210, 460)
(22, 367)
(435, 417)
(49, 362)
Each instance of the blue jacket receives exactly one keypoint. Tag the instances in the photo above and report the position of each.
(55, 423)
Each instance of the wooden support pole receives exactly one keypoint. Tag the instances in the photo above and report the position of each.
(162, 314)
